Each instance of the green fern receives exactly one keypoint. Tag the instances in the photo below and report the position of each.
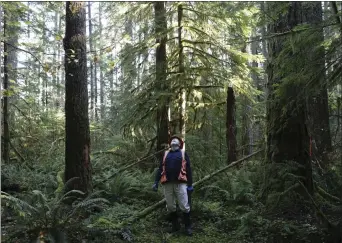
(40, 212)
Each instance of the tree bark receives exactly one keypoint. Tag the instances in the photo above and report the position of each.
(54, 66)
(287, 132)
(77, 141)
(43, 74)
(255, 129)
(96, 108)
(111, 85)
(338, 21)
(102, 83)
(181, 70)
(161, 67)
(90, 26)
(264, 45)
(231, 126)
(59, 70)
(6, 135)
(318, 112)
(128, 64)
(245, 131)
(11, 32)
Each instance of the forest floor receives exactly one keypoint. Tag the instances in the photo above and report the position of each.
(223, 221)
(227, 209)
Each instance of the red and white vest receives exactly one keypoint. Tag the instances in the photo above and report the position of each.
(182, 173)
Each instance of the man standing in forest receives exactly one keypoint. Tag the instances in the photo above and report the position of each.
(175, 174)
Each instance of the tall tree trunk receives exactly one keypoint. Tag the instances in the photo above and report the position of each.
(255, 128)
(96, 59)
(318, 112)
(44, 75)
(90, 26)
(245, 132)
(96, 108)
(1, 93)
(161, 67)
(55, 70)
(339, 21)
(77, 141)
(11, 32)
(182, 98)
(145, 52)
(59, 79)
(111, 85)
(264, 44)
(139, 60)
(128, 65)
(6, 135)
(287, 133)
(102, 83)
(231, 126)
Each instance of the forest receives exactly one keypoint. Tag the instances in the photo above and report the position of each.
(92, 92)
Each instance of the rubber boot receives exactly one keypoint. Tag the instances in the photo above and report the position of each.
(175, 223)
(187, 223)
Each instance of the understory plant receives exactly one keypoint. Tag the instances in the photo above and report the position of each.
(39, 216)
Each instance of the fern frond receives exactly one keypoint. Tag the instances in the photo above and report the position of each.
(18, 204)
(68, 195)
(94, 202)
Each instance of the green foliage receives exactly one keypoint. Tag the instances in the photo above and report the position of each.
(41, 177)
(208, 60)
(282, 190)
(239, 188)
(38, 213)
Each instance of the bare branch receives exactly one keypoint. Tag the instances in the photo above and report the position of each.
(20, 49)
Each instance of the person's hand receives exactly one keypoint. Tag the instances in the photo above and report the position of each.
(190, 188)
(155, 187)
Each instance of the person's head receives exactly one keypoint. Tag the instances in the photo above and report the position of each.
(176, 143)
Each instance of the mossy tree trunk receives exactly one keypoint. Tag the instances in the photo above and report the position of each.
(161, 66)
(77, 142)
(318, 115)
(287, 131)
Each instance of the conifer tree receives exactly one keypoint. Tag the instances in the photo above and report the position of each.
(77, 139)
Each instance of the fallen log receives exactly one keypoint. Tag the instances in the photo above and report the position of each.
(127, 166)
(150, 209)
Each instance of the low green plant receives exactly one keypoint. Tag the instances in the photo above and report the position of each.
(50, 217)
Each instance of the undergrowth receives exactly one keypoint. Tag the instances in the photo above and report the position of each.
(226, 209)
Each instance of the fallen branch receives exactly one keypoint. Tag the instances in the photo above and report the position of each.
(328, 195)
(22, 159)
(207, 177)
(316, 207)
(150, 209)
(128, 166)
(108, 152)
